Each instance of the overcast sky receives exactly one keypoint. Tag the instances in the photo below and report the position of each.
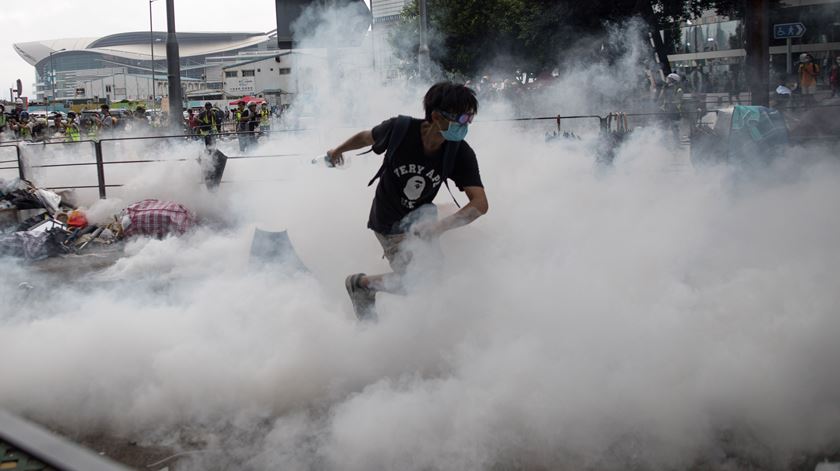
(54, 19)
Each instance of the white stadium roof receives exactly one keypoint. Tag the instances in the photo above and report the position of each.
(135, 45)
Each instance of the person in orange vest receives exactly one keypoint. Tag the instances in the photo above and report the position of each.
(808, 73)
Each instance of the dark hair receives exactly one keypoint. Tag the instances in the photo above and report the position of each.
(450, 97)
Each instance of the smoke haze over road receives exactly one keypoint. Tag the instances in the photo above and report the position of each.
(650, 314)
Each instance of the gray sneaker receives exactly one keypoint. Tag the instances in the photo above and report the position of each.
(364, 299)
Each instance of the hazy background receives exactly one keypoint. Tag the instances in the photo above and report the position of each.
(645, 315)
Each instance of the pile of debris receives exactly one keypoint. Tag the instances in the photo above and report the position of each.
(60, 228)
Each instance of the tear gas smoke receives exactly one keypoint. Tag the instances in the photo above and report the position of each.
(649, 315)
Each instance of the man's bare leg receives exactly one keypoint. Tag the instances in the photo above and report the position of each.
(386, 282)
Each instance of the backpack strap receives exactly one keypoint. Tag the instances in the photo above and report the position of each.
(400, 127)
(449, 153)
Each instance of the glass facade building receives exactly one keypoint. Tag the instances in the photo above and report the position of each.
(66, 69)
(709, 51)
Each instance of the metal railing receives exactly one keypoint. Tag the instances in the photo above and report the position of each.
(18, 161)
(605, 125)
(100, 162)
(32, 447)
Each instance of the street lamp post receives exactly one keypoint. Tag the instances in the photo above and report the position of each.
(152, 48)
(173, 62)
(758, 55)
(52, 78)
(423, 59)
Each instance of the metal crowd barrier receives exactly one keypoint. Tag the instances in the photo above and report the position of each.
(18, 161)
(605, 124)
(100, 163)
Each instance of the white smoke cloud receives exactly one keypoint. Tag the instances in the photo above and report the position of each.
(650, 315)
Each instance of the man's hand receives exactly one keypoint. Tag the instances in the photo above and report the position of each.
(358, 140)
(473, 210)
(335, 158)
(426, 230)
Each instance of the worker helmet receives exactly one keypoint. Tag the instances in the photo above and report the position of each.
(673, 78)
(804, 57)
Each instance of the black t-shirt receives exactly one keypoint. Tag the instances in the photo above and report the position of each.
(411, 178)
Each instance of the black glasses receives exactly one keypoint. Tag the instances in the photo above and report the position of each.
(463, 118)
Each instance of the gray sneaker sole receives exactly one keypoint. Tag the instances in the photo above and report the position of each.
(363, 302)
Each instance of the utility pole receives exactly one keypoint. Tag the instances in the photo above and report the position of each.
(373, 36)
(646, 9)
(52, 78)
(173, 61)
(423, 59)
(758, 51)
(152, 49)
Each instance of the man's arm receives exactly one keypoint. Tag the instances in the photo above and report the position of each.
(477, 207)
(356, 141)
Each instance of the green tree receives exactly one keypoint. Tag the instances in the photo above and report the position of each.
(531, 35)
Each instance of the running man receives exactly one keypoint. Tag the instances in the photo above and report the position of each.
(420, 155)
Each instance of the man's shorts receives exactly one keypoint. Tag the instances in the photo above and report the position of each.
(399, 256)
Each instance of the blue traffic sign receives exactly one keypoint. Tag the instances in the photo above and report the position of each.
(788, 30)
